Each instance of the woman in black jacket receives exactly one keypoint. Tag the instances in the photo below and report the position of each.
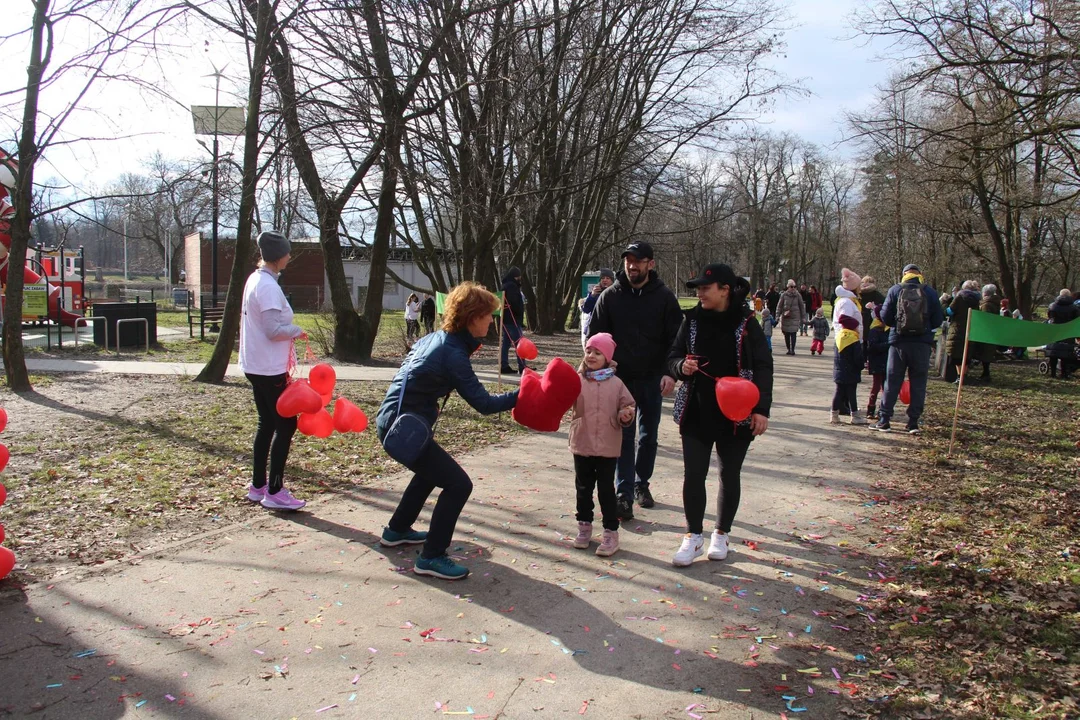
(720, 337)
(437, 365)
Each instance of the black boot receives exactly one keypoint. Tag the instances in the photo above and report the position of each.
(871, 410)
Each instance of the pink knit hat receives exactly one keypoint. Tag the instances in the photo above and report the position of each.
(604, 343)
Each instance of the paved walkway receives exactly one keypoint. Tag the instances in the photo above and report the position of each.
(304, 615)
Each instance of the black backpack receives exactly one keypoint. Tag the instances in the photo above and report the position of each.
(911, 310)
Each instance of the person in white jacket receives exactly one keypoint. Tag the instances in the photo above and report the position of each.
(848, 361)
(267, 333)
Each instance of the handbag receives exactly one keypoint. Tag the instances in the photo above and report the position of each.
(409, 434)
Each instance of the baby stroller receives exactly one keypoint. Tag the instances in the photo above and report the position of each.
(1065, 350)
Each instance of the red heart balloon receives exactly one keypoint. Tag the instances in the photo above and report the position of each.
(322, 378)
(526, 349)
(299, 397)
(542, 401)
(7, 562)
(322, 424)
(3, 494)
(3, 419)
(736, 397)
(5, 455)
(326, 398)
(905, 392)
(2, 536)
(347, 417)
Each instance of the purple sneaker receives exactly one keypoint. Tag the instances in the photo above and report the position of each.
(282, 500)
(255, 494)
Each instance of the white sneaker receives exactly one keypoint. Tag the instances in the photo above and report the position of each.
(692, 547)
(718, 545)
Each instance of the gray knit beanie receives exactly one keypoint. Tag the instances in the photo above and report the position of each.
(273, 245)
(607, 273)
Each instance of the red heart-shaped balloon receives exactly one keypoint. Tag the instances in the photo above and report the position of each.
(319, 424)
(299, 397)
(322, 379)
(736, 397)
(7, 562)
(905, 392)
(543, 400)
(348, 417)
(526, 349)
(3, 419)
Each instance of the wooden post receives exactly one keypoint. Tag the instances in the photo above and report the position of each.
(960, 387)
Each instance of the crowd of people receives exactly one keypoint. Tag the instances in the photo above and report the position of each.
(638, 344)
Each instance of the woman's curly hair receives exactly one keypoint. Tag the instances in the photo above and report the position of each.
(465, 303)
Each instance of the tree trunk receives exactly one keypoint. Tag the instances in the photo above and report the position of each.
(14, 357)
(214, 372)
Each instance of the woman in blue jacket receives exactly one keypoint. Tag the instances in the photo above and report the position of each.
(437, 365)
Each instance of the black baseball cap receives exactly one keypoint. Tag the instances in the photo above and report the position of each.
(714, 273)
(640, 250)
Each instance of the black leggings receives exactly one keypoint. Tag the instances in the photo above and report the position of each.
(697, 456)
(434, 468)
(599, 473)
(274, 434)
(789, 340)
(845, 397)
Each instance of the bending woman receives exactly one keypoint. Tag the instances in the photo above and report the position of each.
(720, 337)
(437, 365)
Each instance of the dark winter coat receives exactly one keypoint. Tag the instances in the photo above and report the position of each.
(771, 298)
(512, 297)
(437, 365)
(868, 295)
(848, 364)
(961, 306)
(716, 341)
(427, 310)
(934, 314)
(877, 349)
(643, 322)
(1060, 312)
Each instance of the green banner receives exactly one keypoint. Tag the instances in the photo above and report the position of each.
(35, 301)
(991, 328)
(440, 303)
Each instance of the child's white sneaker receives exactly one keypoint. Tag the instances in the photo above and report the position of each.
(692, 547)
(718, 545)
(584, 535)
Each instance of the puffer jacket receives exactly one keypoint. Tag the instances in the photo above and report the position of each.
(595, 430)
(790, 311)
(643, 321)
(1062, 311)
(437, 365)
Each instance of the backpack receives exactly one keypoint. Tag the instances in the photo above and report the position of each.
(911, 310)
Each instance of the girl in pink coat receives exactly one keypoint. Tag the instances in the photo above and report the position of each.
(602, 409)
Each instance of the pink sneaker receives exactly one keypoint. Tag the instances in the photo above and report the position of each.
(282, 500)
(584, 535)
(609, 544)
(255, 494)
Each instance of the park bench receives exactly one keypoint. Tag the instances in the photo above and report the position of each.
(202, 317)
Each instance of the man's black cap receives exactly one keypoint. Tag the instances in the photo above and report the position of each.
(714, 273)
(640, 250)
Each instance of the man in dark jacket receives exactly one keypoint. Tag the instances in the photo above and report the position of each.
(427, 314)
(643, 316)
(772, 298)
(513, 316)
(1063, 353)
(909, 351)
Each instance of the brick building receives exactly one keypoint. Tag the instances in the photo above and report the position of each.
(304, 281)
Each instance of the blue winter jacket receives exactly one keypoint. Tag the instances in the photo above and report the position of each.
(934, 314)
(438, 364)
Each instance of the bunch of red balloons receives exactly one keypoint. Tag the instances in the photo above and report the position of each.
(7, 558)
(306, 400)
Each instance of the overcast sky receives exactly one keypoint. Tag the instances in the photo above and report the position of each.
(838, 70)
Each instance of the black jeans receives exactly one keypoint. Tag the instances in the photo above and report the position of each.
(844, 398)
(697, 456)
(789, 340)
(274, 434)
(434, 468)
(599, 473)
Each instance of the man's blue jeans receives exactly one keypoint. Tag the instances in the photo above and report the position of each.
(911, 359)
(639, 444)
(511, 334)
